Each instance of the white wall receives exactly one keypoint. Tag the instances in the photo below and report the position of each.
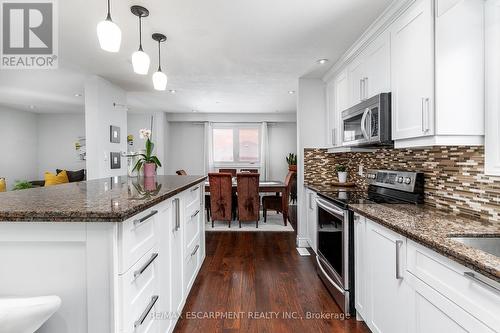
(18, 145)
(100, 114)
(311, 132)
(186, 142)
(57, 134)
(282, 140)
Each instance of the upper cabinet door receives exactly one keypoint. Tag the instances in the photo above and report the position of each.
(492, 135)
(378, 66)
(412, 72)
(357, 77)
(331, 113)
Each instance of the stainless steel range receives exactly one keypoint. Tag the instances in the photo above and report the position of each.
(335, 255)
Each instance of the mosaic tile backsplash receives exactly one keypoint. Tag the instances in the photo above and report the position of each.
(454, 175)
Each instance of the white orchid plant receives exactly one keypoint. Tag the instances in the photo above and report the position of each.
(145, 134)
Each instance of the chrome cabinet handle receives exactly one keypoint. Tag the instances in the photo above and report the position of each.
(334, 137)
(196, 213)
(144, 314)
(177, 214)
(398, 246)
(145, 218)
(195, 250)
(360, 89)
(194, 189)
(366, 88)
(473, 277)
(310, 201)
(425, 106)
(141, 270)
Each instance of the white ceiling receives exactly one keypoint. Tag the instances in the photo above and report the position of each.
(220, 56)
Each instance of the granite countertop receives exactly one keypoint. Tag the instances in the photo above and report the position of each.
(327, 188)
(432, 228)
(112, 199)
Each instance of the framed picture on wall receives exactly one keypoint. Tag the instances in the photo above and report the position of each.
(114, 134)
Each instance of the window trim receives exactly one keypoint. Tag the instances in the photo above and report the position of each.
(236, 145)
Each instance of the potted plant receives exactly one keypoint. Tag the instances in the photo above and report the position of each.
(147, 161)
(341, 173)
(291, 159)
(22, 185)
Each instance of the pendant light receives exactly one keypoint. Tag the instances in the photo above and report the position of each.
(159, 78)
(109, 34)
(140, 59)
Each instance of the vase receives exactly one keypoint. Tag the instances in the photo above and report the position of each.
(342, 176)
(149, 169)
(292, 167)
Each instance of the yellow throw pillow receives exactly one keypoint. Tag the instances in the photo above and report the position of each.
(52, 179)
(3, 186)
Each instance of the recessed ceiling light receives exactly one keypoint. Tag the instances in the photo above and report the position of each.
(172, 91)
(32, 107)
(78, 95)
(322, 61)
(291, 92)
(194, 110)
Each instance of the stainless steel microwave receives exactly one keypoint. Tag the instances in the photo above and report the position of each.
(368, 123)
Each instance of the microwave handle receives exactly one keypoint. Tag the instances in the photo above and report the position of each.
(363, 124)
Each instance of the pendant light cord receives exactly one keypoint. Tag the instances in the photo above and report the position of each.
(140, 34)
(108, 18)
(159, 56)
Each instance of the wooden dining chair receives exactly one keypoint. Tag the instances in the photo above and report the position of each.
(183, 172)
(248, 197)
(231, 171)
(221, 195)
(250, 170)
(275, 202)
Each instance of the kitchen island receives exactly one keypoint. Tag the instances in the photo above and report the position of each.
(122, 253)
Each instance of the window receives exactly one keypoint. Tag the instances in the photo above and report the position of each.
(236, 144)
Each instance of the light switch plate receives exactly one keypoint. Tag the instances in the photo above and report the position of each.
(115, 159)
(114, 134)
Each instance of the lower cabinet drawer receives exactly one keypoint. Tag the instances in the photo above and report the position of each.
(135, 237)
(191, 262)
(193, 194)
(193, 224)
(456, 282)
(138, 293)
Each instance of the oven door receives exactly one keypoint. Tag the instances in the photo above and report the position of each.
(333, 243)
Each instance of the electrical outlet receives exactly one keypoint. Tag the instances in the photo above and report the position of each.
(360, 170)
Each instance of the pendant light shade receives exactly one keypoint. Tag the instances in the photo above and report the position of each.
(159, 78)
(140, 60)
(109, 35)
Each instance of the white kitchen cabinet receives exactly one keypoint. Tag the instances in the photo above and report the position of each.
(463, 293)
(492, 135)
(431, 312)
(412, 72)
(312, 219)
(378, 66)
(361, 277)
(387, 289)
(356, 73)
(337, 101)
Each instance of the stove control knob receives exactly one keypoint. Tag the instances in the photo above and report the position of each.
(400, 180)
(408, 180)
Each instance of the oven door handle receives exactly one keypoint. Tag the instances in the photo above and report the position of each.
(363, 124)
(328, 278)
(329, 208)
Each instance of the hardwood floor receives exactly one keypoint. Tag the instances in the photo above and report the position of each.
(252, 275)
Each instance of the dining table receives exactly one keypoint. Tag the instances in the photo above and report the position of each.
(266, 186)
